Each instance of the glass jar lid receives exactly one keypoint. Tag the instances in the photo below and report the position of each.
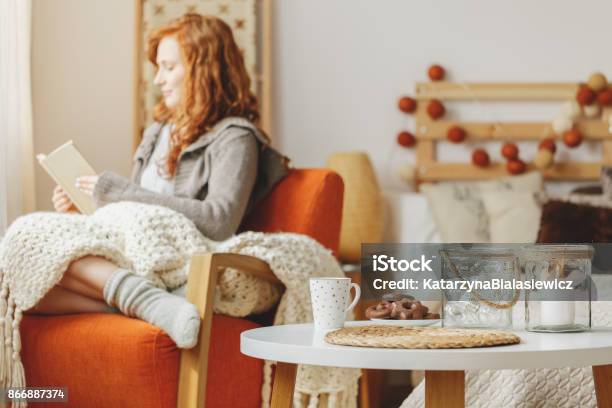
(554, 251)
(480, 251)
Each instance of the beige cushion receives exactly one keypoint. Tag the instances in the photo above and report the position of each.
(514, 216)
(458, 208)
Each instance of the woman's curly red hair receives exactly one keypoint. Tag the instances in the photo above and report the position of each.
(216, 83)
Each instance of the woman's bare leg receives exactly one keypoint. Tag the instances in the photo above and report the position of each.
(88, 275)
(133, 295)
(74, 285)
(63, 301)
(80, 290)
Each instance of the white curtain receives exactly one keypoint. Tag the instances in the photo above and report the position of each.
(17, 194)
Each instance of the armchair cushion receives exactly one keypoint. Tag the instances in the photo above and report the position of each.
(102, 358)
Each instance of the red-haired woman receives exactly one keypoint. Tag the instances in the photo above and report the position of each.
(203, 157)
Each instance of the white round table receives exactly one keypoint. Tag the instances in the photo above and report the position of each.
(444, 368)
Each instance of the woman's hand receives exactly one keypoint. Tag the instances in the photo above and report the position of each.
(87, 184)
(61, 201)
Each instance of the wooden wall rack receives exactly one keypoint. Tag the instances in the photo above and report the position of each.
(430, 132)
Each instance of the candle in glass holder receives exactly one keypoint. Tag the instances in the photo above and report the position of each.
(557, 313)
(570, 311)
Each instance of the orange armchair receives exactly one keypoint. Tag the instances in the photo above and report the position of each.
(108, 360)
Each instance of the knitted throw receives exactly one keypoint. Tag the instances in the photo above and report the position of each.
(157, 243)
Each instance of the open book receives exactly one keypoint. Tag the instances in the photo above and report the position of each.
(65, 164)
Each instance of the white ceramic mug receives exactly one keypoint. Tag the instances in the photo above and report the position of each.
(329, 298)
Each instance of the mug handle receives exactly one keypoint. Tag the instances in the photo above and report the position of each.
(356, 299)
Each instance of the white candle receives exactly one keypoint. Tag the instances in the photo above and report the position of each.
(556, 313)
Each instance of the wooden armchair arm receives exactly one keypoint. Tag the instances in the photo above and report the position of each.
(203, 273)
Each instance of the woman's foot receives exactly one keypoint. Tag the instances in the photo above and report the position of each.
(136, 296)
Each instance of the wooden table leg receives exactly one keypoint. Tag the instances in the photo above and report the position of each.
(603, 385)
(444, 389)
(364, 389)
(284, 382)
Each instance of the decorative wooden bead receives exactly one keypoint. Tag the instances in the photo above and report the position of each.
(510, 151)
(456, 134)
(407, 104)
(604, 98)
(585, 95)
(480, 158)
(436, 73)
(516, 166)
(562, 124)
(571, 109)
(435, 109)
(548, 144)
(572, 138)
(597, 81)
(544, 159)
(591, 111)
(406, 139)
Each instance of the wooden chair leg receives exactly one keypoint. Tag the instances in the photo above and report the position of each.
(284, 384)
(194, 362)
(203, 271)
(602, 376)
(444, 389)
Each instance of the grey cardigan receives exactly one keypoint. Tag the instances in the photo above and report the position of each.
(219, 177)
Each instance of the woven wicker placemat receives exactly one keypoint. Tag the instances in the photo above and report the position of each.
(419, 337)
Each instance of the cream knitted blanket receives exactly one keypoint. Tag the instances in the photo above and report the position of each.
(157, 243)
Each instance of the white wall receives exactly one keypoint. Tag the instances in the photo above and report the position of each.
(82, 82)
(341, 65)
(339, 68)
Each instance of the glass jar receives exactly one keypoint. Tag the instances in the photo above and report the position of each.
(561, 301)
(476, 303)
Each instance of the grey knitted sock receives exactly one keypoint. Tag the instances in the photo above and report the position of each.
(136, 296)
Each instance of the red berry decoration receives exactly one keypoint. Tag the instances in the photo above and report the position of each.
(480, 158)
(456, 134)
(549, 144)
(604, 98)
(585, 95)
(435, 109)
(516, 166)
(510, 151)
(572, 138)
(406, 139)
(406, 104)
(436, 73)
